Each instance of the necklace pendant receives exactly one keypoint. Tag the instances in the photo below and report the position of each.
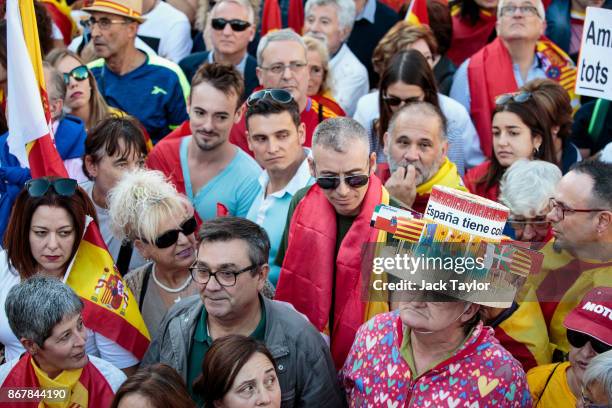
(178, 299)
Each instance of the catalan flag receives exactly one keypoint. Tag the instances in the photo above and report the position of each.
(417, 13)
(525, 261)
(409, 229)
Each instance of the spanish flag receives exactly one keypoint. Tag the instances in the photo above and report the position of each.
(417, 13)
(60, 14)
(110, 307)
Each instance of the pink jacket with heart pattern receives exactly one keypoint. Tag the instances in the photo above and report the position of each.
(480, 374)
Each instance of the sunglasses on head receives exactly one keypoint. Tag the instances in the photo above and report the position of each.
(518, 97)
(169, 238)
(79, 73)
(62, 186)
(578, 340)
(237, 25)
(279, 95)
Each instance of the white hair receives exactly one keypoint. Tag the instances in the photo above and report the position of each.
(600, 370)
(244, 3)
(527, 186)
(140, 202)
(538, 3)
(285, 34)
(339, 134)
(345, 8)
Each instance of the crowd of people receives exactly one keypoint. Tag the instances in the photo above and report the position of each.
(232, 154)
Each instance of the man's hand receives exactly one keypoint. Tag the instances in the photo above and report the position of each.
(402, 185)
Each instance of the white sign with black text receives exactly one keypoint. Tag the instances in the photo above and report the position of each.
(595, 61)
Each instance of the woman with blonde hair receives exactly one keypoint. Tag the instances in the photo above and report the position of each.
(146, 209)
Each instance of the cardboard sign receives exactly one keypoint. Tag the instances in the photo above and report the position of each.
(595, 60)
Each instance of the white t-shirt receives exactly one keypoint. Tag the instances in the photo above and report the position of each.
(170, 28)
(350, 79)
(96, 345)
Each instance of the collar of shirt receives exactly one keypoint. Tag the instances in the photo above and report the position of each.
(241, 65)
(298, 181)
(368, 12)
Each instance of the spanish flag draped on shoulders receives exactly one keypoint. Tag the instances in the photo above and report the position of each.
(490, 74)
(322, 279)
(470, 37)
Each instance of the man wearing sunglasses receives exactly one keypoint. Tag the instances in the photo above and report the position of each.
(282, 64)
(148, 87)
(518, 55)
(231, 269)
(589, 333)
(320, 252)
(232, 23)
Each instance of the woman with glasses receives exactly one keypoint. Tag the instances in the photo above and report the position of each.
(589, 333)
(43, 235)
(82, 95)
(525, 189)
(146, 209)
(521, 130)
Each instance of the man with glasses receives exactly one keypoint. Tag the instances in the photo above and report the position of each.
(148, 87)
(516, 56)
(320, 252)
(281, 64)
(276, 136)
(233, 27)
(231, 269)
(218, 178)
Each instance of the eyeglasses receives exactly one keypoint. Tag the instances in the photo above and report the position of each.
(169, 238)
(316, 70)
(518, 97)
(526, 10)
(225, 277)
(237, 25)
(104, 23)
(561, 209)
(62, 186)
(79, 73)
(277, 69)
(538, 223)
(279, 95)
(395, 101)
(578, 340)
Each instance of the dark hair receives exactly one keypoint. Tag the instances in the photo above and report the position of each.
(468, 9)
(229, 228)
(44, 25)
(441, 24)
(160, 384)
(3, 45)
(16, 238)
(222, 363)
(224, 78)
(535, 118)
(269, 106)
(601, 173)
(474, 320)
(409, 67)
(105, 136)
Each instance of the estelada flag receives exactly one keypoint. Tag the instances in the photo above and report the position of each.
(417, 13)
(110, 307)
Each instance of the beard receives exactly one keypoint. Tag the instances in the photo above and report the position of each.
(423, 173)
(209, 145)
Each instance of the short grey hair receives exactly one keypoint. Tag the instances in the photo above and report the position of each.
(244, 3)
(345, 9)
(56, 88)
(36, 305)
(285, 34)
(527, 186)
(600, 370)
(538, 3)
(421, 108)
(339, 134)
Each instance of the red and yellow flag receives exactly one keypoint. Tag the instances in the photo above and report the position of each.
(417, 13)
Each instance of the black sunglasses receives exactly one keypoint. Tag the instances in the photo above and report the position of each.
(62, 186)
(79, 73)
(519, 97)
(279, 95)
(237, 25)
(578, 340)
(169, 238)
(395, 101)
(332, 183)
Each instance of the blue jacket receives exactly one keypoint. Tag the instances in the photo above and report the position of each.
(70, 138)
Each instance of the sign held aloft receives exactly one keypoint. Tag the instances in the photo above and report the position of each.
(595, 60)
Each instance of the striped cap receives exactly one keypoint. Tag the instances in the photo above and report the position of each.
(126, 8)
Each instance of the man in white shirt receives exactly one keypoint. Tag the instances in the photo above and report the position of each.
(166, 30)
(332, 21)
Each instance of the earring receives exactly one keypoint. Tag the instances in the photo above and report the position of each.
(536, 151)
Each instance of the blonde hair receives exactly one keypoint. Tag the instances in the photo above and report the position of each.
(399, 38)
(318, 46)
(140, 202)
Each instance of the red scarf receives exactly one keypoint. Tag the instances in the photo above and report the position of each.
(306, 276)
(468, 38)
(99, 392)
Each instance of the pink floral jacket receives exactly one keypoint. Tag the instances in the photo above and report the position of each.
(480, 374)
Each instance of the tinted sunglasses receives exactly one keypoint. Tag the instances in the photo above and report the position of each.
(279, 95)
(62, 186)
(169, 238)
(395, 101)
(578, 340)
(80, 73)
(518, 97)
(332, 183)
(237, 25)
